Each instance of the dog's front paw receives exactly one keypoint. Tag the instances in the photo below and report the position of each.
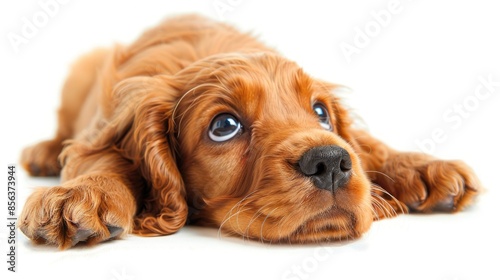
(426, 184)
(76, 212)
(41, 159)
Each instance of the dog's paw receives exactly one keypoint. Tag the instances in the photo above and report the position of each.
(426, 184)
(73, 213)
(42, 158)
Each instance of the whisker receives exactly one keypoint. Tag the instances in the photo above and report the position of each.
(280, 228)
(400, 205)
(262, 225)
(254, 218)
(219, 232)
(241, 205)
(182, 98)
(231, 210)
(377, 205)
(381, 173)
(383, 205)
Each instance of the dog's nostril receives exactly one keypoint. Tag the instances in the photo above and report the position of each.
(328, 167)
(345, 165)
(320, 169)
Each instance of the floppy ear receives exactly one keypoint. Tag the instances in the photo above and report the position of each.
(137, 124)
(149, 144)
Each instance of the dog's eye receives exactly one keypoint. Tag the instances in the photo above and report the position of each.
(224, 127)
(324, 118)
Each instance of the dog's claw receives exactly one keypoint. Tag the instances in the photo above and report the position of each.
(445, 205)
(114, 231)
(81, 236)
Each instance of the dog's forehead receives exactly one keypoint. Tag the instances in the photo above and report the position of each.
(268, 85)
(253, 87)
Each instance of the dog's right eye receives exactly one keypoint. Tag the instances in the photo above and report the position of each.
(324, 117)
(224, 127)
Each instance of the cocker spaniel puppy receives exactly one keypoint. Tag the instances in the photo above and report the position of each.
(196, 122)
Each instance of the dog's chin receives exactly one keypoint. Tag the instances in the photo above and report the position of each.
(331, 226)
(335, 224)
(343, 216)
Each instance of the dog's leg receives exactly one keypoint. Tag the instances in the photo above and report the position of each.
(421, 182)
(42, 158)
(98, 205)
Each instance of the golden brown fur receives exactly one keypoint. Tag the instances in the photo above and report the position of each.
(135, 156)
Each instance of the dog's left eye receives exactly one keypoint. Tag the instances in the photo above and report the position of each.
(324, 118)
(224, 127)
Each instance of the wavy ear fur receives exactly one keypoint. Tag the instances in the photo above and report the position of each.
(140, 128)
(151, 143)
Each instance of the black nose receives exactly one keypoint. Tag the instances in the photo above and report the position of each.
(329, 167)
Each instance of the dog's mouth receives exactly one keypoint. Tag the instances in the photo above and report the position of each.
(333, 225)
(334, 216)
(318, 217)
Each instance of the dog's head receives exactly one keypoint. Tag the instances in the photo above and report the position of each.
(250, 144)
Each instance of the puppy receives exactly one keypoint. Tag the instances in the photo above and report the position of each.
(198, 123)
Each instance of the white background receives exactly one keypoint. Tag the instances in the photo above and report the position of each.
(427, 59)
